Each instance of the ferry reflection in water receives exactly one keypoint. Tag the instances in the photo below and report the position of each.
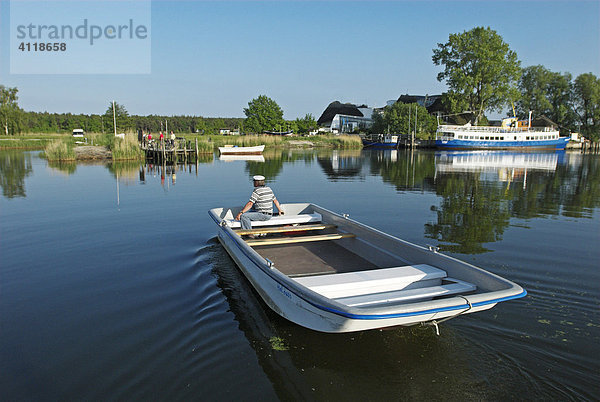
(497, 166)
(482, 191)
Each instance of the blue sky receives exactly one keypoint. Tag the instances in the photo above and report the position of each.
(211, 58)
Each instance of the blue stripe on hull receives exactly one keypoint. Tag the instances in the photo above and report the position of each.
(560, 143)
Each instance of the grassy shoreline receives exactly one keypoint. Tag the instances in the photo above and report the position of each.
(325, 141)
(61, 146)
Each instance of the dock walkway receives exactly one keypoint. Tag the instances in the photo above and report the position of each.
(162, 151)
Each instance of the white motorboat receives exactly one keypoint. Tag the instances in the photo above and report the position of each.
(235, 150)
(327, 272)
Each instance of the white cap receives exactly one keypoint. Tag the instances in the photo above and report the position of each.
(258, 178)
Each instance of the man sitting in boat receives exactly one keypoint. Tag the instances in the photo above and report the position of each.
(262, 199)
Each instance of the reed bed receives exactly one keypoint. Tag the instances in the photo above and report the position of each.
(126, 148)
(205, 147)
(59, 151)
(338, 141)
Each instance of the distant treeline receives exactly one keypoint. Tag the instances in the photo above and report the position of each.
(35, 122)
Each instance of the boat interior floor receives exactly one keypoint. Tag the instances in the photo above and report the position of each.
(316, 258)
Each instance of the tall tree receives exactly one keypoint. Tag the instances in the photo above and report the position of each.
(586, 99)
(262, 113)
(306, 124)
(9, 110)
(546, 93)
(399, 118)
(121, 115)
(480, 68)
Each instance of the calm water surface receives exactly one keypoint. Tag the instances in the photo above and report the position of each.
(113, 286)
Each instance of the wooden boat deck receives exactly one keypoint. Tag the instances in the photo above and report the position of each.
(316, 258)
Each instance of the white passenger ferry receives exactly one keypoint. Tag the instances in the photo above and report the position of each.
(512, 134)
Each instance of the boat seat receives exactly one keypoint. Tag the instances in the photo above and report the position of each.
(349, 284)
(450, 286)
(279, 220)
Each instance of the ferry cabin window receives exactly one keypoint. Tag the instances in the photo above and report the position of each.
(487, 138)
(515, 137)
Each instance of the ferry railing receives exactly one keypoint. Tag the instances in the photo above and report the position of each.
(488, 129)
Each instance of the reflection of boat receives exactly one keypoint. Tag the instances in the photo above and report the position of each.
(345, 276)
(476, 161)
(252, 158)
(235, 150)
(512, 134)
(380, 141)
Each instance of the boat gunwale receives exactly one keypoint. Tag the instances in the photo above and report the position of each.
(513, 291)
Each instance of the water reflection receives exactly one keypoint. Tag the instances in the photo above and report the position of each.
(497, 166)
(126, 172)
(341, 164)
(274, 161)
(15, 166)
(404, 169)
(233, 158)
(481, 191)
(65, 167)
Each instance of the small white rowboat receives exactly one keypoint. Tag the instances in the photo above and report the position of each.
(235, 150)
(330, 273)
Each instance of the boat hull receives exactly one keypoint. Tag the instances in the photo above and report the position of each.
(554, 144)
(307, 308)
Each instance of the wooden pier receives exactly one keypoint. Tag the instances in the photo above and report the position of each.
(167, 151)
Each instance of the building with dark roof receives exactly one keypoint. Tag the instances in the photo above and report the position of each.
(433, 103)
(346, 117)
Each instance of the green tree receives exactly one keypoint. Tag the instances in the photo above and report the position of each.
(10, 113)
(121, 115)
(263, 113)
(305, 124)
(480, 68)
(399, 118)
(586, 99)
(546, 93)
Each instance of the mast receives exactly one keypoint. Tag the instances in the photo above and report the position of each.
(114, 119)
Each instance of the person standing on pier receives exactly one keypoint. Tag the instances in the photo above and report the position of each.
(262, 200)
